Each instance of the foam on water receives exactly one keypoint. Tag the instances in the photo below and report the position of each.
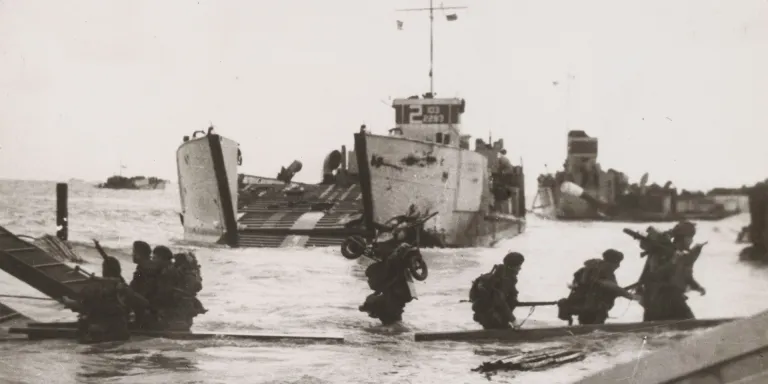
(318, 291)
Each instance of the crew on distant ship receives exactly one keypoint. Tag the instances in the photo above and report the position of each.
(390, 281)
(504, 165)
(594, 290)
(104, 306)
(494, 294)
(668, 273)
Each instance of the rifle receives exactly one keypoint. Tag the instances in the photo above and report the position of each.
(107, 257)
(524, 303)
(100, 249)
(650, 245)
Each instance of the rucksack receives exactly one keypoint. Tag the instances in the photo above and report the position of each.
(578, 297)
(377, 274)
(587, 273)
(482, 287)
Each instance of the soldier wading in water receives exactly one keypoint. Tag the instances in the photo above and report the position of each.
(390, 278)
(162, 296)
(494, 294)
(594, 290)
(105, 306)
(668, 273)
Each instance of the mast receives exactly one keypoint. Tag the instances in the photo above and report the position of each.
(431, 10)
(431, 48)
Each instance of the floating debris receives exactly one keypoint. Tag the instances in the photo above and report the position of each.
(532, 360)
(59, 249)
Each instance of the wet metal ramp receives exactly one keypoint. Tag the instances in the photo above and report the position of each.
(548, 333)
(9, 317)
(30, 264)
(316, 219)
(736, 352)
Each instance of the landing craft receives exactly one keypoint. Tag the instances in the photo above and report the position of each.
(425, 163)
(221, 206)
(436, 175)
(583, 191)
(423, 166)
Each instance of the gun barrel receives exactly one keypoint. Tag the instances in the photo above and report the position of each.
(636, 235)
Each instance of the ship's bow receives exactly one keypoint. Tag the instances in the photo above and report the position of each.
(207, 171)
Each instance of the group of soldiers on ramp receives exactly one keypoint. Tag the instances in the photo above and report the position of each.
(162, 296)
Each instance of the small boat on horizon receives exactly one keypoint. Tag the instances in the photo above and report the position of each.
(135, 182)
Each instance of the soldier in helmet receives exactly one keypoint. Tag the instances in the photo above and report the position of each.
(594, 290)
(669, 274)
(178, 282)
(682, 237)
(390, 279)
(104, 306)
(144, 279)
(494, 294)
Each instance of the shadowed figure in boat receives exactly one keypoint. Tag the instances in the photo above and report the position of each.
(594, 290)
(104, 306)
(756, 232)
(668, 273)
(390, 278)
(494, 294)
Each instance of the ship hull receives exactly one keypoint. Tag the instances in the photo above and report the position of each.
(397, 172)
(564, 207)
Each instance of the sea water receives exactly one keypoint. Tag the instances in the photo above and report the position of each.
(318, 291)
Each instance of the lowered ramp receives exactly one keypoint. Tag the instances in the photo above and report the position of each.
(315, 219)
(731, 353)
(9, 317)
(548, 333)
(30, 264)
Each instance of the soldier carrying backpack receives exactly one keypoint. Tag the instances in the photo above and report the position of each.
(494, 294)
(594, 290)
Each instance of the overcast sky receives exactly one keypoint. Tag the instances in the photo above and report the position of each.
(678, 88)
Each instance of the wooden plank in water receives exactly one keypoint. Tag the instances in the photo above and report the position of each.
(731, 353)
(37, 333)
(10, 317)
(536, 334)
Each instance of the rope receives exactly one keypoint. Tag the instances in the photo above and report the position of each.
(526, 318)
(626, 309)
(27, 297)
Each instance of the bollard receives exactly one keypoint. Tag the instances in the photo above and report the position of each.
(62, 216)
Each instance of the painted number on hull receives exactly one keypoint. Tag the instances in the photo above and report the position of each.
(426, 114)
